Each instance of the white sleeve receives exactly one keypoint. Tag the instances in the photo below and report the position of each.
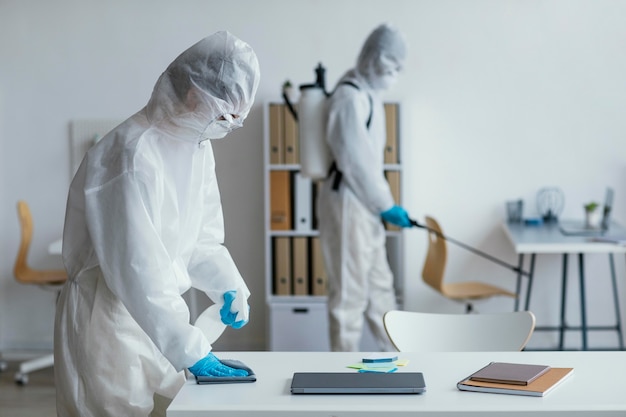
(212, 268)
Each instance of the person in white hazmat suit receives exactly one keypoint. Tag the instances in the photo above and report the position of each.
(355, 196)
(144, 224)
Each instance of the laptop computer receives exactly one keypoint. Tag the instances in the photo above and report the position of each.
(357, 383)
(579, 228)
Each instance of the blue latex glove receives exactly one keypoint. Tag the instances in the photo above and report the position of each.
(228, 317)
(211, 366)
(398, 216)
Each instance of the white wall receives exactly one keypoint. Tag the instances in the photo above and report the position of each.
(499, 98)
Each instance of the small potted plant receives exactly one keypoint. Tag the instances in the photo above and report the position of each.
(592, 214)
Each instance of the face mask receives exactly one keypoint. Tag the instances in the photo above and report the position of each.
(387, 80)
(217, 129)
(387, 71)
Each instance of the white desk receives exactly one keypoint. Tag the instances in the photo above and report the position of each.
(595, 389)
(548, 239)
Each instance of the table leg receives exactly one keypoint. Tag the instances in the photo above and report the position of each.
(518, 286)
(583, 313)
(563, 299)
(531, 275)
(618, 317)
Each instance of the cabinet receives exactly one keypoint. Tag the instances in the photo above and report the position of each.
(295, 279)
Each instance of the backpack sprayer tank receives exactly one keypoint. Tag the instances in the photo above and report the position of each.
(315, 157)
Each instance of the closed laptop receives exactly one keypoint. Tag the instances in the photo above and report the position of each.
(357, 383)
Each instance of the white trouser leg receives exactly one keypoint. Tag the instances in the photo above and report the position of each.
(360, 281)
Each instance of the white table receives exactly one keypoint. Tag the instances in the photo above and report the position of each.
(548, 239)
(595, 389)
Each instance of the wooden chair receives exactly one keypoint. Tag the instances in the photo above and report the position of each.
(49, 279)
(434, 268)
(432, 332)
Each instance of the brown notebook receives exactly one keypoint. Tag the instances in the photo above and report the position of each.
(509, 373)
(537, 388)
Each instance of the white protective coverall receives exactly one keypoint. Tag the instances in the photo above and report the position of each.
(351, 231)
(144, 224)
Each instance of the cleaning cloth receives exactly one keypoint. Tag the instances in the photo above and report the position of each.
(233, 363)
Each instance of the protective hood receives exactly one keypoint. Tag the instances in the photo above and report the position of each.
(218, 75)
(382, 56)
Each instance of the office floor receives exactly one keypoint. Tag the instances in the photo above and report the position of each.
(37, 398)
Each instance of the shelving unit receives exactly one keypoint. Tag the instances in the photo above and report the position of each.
(295, 280)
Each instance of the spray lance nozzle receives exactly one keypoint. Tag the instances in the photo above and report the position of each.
(287, 85)
(516, 269)
(416, 224)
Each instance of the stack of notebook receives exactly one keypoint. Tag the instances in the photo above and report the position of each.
(515, 378)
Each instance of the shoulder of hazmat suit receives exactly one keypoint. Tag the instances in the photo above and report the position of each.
(144, 224)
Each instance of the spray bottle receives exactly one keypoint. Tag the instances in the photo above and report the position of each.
(315, 157)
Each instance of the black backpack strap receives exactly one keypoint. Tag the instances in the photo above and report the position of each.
(333, 168)
(369, 119)
(338, 175)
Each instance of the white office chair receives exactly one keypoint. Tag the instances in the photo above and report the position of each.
(431, 332)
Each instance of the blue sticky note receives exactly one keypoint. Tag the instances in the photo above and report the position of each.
(378, 359)
(380, 370)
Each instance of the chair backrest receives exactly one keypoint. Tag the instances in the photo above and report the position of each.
(432, 332)
(22, 271)
(436, 257)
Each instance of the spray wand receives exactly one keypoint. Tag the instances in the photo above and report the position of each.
(471, 249)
